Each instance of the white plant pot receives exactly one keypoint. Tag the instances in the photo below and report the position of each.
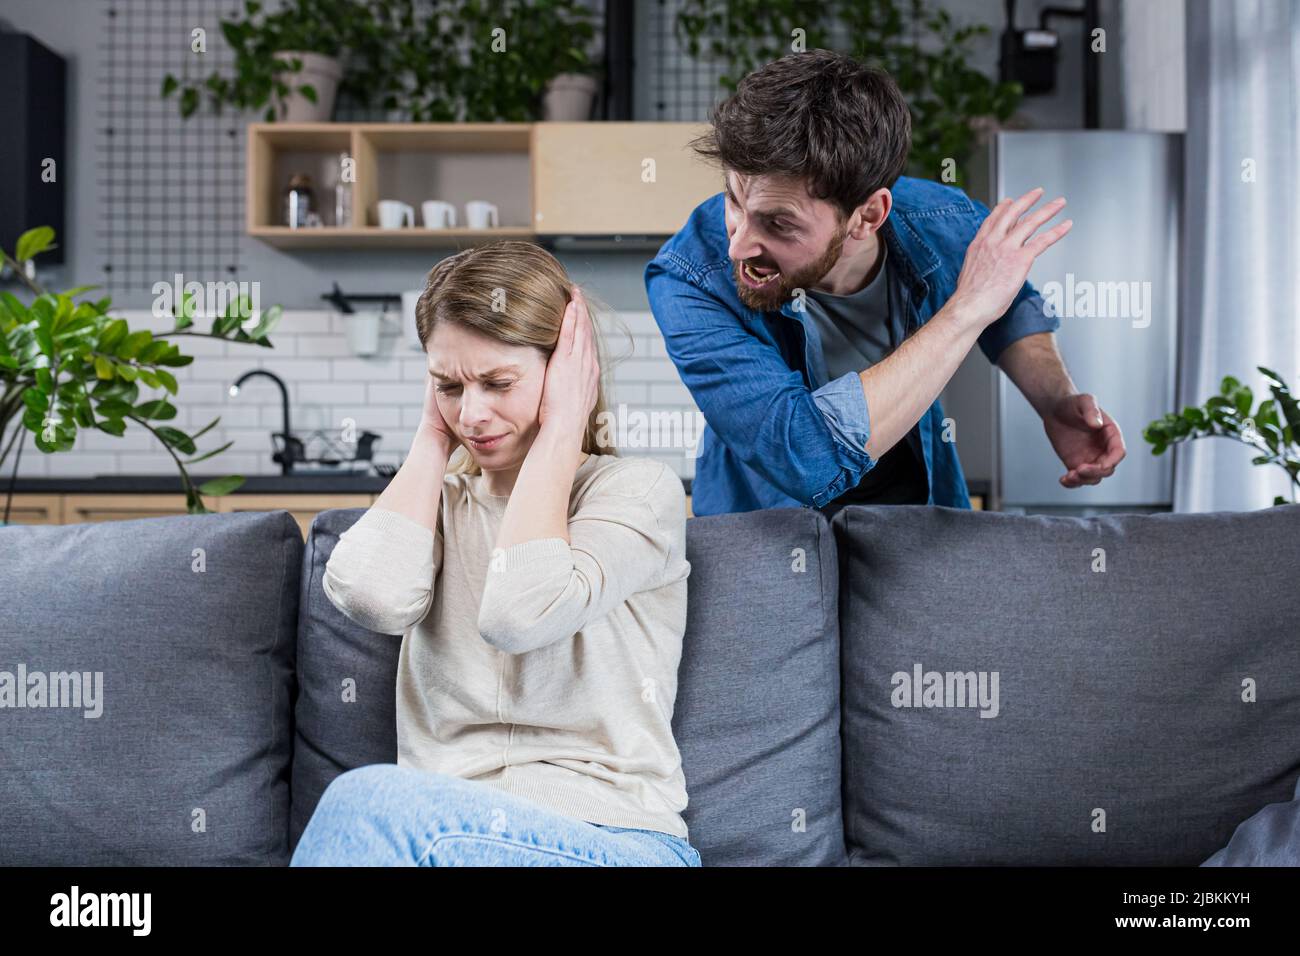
(322, 73)
(569, 97)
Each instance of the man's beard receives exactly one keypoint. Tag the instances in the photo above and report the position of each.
(771, 298)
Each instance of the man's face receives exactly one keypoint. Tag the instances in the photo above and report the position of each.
(781, 239)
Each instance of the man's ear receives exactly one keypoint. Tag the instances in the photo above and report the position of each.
(871, 215)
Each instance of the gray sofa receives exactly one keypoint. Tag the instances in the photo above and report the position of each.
(902, 685)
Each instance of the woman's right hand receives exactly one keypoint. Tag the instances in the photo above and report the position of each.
(431, 421)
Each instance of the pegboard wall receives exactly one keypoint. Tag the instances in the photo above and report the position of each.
(171, 191)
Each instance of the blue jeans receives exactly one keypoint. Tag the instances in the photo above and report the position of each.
(1270, 838)
(388, 815)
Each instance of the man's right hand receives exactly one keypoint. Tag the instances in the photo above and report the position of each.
(999, 257)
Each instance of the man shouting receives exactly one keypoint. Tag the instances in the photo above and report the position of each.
(816, 308)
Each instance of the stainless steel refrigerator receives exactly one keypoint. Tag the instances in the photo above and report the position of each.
(1113, 281)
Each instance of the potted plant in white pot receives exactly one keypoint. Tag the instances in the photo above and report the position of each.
(525, 61)
(289, 63)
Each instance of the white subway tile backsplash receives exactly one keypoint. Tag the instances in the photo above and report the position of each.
(229, 369)
(403, 393)
(332, 393)
(670, 393)
(74, 463)
(299, 370)
(415, 369)
(303, 322)
(638, 323)
(328, 385)
(648, 370)
(365, 370)
(320, 346)
(234, 414)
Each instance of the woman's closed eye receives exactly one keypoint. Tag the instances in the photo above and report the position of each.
(500, 386)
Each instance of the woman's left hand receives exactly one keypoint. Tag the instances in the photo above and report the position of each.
(572, 374)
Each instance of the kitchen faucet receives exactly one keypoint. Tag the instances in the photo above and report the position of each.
(285, 457)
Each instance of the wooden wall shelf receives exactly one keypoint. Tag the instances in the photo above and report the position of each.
(547, 179)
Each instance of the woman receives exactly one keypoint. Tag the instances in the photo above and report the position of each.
(539, 583)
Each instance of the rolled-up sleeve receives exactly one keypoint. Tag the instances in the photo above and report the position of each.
(1028, 314)
(843, 404)
(810, 445)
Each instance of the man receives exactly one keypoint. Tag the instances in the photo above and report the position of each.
(817, 308)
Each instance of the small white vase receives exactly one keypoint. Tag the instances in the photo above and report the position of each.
(569, 97)
(362, 330)
(322, 73)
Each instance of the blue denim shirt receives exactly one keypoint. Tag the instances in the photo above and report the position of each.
(777, 434)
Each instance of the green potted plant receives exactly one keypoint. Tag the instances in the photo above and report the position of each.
(516, 50)
(919, 45)
(288, 63)
(409, 63)
(67, 364)
(1273, 429)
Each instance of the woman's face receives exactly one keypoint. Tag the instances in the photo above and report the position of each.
(487, 389)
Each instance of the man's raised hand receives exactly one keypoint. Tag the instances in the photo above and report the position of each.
(998, 259)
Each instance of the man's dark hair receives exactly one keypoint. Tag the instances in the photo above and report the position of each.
(822, 116)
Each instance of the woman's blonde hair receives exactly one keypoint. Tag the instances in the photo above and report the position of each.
(515, 292)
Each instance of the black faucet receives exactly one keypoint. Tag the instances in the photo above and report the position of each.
(286, 456)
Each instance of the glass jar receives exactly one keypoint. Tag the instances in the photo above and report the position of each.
(299, 201)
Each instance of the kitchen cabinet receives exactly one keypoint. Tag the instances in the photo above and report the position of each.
(546, 179)
(600, 179)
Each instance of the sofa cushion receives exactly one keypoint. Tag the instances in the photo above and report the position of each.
(757, 711)
(757, 718)
(178, 754)
(1147, 695)
(346, 712)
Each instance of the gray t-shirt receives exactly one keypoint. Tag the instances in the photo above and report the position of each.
(857, 331)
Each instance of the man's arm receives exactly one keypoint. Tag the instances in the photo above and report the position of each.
(905, 383)
(1035, 365)
(1086, 439)
(901, 387)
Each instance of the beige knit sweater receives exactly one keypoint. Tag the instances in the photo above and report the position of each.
(550, 669)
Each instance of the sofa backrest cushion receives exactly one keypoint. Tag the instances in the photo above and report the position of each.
(756, 717)
(346, 713)
(182, 631)
(1147, 695)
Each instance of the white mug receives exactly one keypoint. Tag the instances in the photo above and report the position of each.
(394, 214)
(438, 214)
(480, 214)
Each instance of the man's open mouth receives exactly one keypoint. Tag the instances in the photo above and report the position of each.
(758, 277)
